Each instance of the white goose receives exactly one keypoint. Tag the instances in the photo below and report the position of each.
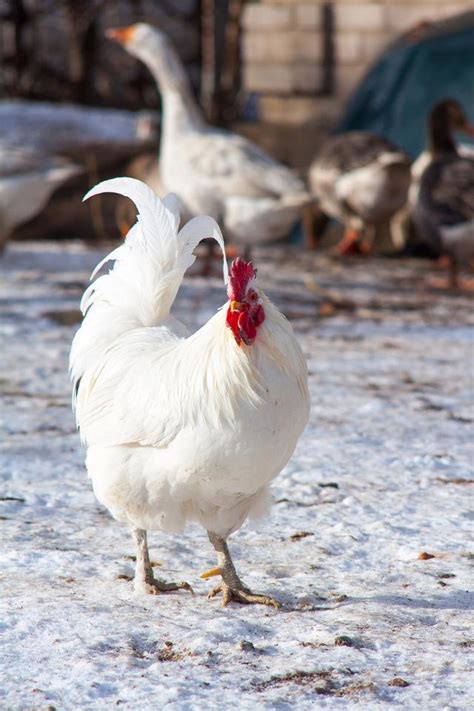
(213, 171)
(27, 181)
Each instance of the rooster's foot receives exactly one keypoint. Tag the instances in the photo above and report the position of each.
(144, 581)
(231, 587)
(157, 587)
(242, 595)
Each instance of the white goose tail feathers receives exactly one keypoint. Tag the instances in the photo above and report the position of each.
(148, 269)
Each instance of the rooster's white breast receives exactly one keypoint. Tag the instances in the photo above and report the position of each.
(244, 409)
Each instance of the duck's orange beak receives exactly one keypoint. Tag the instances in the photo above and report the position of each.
(122, 35)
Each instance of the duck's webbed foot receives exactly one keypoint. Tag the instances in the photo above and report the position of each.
(450, 283)
(465, 284)
(144, 581)
(231, 587)
(453, 281)
(351, 243)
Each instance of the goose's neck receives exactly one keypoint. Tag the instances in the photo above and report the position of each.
(440, 138)
(181, 112)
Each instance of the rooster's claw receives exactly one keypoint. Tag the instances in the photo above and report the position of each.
(157, 587)
(242, 595)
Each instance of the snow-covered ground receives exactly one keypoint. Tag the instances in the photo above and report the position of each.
(382, 474)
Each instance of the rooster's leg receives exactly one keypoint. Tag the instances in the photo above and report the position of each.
(144, 581)
(232, 588)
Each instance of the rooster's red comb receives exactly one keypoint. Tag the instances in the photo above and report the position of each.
(241, 272)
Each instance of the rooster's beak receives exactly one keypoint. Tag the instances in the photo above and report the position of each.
(235, 305)
(122, 35)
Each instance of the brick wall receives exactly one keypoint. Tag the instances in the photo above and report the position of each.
(282, 52)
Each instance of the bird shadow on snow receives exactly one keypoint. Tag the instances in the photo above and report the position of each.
(456, 600)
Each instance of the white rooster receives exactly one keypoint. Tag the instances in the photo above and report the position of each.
(183, 428)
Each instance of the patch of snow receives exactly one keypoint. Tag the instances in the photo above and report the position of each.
(380, 476)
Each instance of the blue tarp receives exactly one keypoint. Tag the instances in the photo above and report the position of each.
(395, 97)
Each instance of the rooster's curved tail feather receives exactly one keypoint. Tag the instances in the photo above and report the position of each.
(148, 269)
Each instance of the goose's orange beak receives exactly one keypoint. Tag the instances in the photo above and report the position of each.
(122, 35)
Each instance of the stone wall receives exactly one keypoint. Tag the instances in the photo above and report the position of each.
(282, 54)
